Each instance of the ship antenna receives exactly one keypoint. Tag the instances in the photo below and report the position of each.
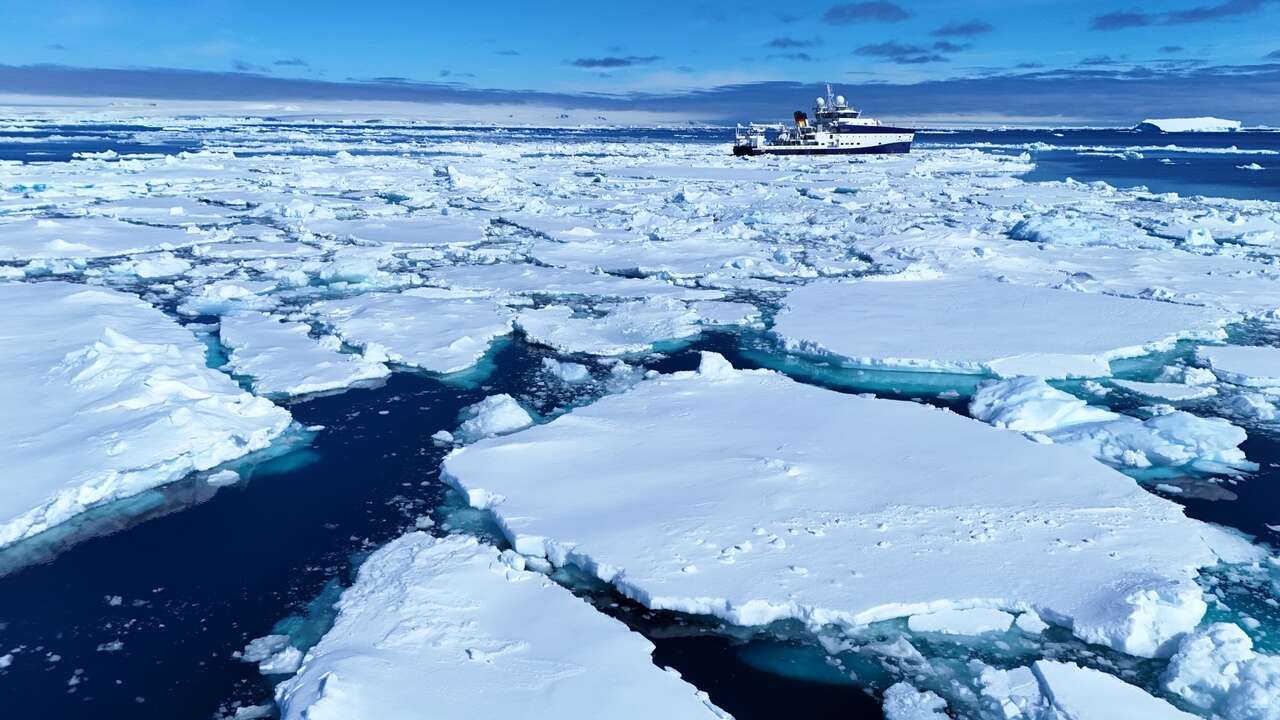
(829, 100)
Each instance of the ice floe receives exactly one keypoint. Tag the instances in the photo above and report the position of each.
(452, 628)
(1216, 669)
(106, 397)
(629, 327)
(426, 328)
(1172, 439)
(981, 326)
(282, 359)
(1251, 366)
(495, 415)
(744, 495)
(1052, 690)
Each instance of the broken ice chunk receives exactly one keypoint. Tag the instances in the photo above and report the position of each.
(495, 415)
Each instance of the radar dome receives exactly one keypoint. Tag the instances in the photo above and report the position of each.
(839, 99)
(821, 102)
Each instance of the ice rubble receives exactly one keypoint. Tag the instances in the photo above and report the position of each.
(1177, 439)
(492, 416)
(434, 330)
(903, 702)
(106, 397)
(1216, 669)
(1251, 366)
(980, 326)
(1191, 124)
(282, 359)
(744, 495)
(450, 627)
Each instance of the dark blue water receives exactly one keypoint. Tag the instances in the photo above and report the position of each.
(1203, 163)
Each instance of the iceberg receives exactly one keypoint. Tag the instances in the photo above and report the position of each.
(454, 628)
(747, 496)
(980, 326)
(282, 359)
(106, 397)
(1191, 124)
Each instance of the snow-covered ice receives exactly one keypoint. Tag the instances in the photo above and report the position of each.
(903, 702)
(629, 327)
(433, 330)
(981, 326)
(1216, 669)
(494, 415)
(282, 359)
(1052, 690)
(452, 628)
(747, 496)
(971, 621)
(1253, 366)
(105, 397)
(1171, 392)
(1173, 439)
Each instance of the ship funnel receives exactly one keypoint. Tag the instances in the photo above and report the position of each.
(801, 118)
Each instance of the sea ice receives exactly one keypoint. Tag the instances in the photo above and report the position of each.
(903, 702)
(1174, 439)
(1251, 366)
(282, 359)
(451, 628)
(1216, 669)
(1051, 690)
(492, 416)
(105, 397)
(796, 502)
(972, 621)
(629, 327)
(982, 326)
(426, 328)
(1171, 392)
(46, 238)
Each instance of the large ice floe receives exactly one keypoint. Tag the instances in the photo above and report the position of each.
(104, 397)
(744, 495)
(451, 628)
(981, 326)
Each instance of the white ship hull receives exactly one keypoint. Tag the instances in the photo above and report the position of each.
(882, 140)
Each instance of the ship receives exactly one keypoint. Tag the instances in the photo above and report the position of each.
(836, 129)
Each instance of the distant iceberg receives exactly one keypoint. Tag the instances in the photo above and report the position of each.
(1195, 124)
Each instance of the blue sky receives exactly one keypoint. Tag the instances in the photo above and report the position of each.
(634, 50)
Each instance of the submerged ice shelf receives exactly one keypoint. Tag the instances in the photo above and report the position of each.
(452, 627)
(743, 495)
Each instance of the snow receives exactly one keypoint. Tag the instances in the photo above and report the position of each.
(495, 415)
(629, 327)
(1216, 669)
(1171, 392)
(979, 326)
(973, 621)
(747, 496)
(46, 238)
(1252, 366)
(569, 372)
(903, 702)
(1191, 124)
(282, 359)
(1065, 691)
(104, 373)
(423, 328)
(1174, 439)
(451, 627)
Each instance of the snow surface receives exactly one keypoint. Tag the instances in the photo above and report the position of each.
(978, 326)
(1051, 690)
(1176, 439)
(451, 628)
(424, 328)
(747, 496)
(630, 327)
(1253, 366)
(105, 397)
(1217, 669)
(972, 621)
(1172, 392)
(494, 415)
(283, 360)
(1190, 124)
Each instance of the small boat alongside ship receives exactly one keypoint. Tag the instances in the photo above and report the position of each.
(836, 129)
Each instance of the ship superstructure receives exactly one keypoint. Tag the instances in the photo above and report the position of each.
(836, 129)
